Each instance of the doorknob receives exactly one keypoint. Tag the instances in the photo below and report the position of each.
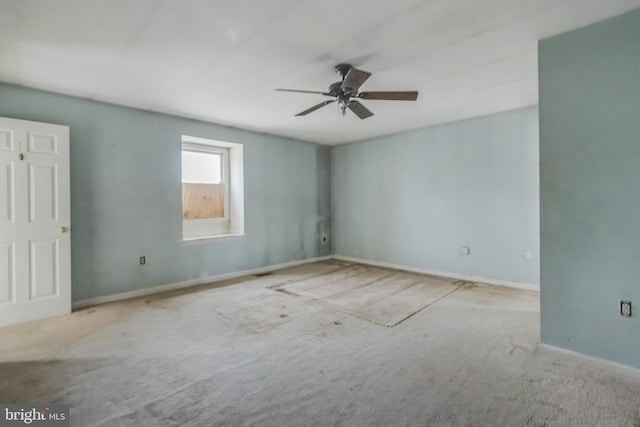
(64, 229)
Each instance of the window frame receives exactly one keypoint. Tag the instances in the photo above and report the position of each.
(224, 171)
(232, 224)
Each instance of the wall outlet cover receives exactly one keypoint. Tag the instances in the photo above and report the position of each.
(625, 308)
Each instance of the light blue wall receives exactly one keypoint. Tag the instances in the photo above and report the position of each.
(415, 198)
(323, 191)
(590, 188)
(126, 195)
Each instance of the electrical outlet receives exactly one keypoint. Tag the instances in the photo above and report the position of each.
(143, 260)
(625, 308)
(528, 256)
(465, 250)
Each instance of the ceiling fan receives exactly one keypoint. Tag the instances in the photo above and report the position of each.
(346, 93)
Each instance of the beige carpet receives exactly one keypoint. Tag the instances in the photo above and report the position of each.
(247, 355)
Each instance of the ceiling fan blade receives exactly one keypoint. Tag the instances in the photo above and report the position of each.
(303, 91)
(391, 96)
(354, 79)
(315, 107)
(360, 110)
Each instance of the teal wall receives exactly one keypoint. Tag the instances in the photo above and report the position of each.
(126, 195)
(323, 230)
(415, 198)
(590, 188)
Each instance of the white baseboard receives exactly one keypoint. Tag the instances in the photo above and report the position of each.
(192, 282)
(606, 365)
(211, 279)
(440, 273)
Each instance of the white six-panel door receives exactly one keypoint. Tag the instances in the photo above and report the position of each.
(35, 246)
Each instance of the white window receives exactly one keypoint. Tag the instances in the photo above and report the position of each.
(212, 188)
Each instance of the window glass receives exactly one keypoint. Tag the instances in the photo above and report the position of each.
(201, 167)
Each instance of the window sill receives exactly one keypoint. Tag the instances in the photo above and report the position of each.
(206, 239)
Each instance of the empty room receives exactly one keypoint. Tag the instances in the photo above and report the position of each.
(319, 213)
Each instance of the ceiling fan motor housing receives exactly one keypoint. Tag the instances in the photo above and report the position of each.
(343, 69)
(335, 89)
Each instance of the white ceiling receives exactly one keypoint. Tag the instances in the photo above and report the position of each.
(219, 60)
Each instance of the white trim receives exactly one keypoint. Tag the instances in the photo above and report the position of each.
(236, 189)
(211, 279)
(192, 282)
(205, 228)
(209, 239)
(208, 141)
(607, 365)
(209, 148)
(440, 273)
